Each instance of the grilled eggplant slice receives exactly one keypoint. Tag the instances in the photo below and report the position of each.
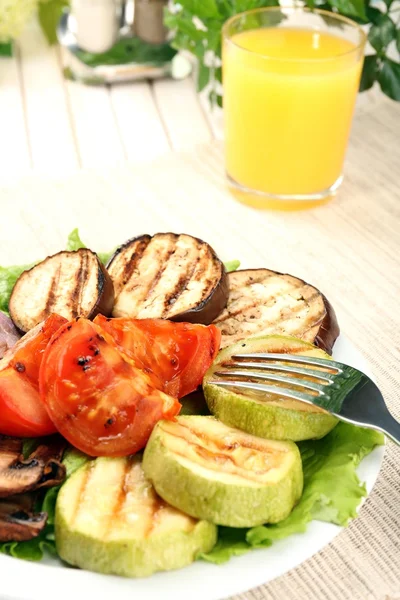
(110, 520)
(267, 415)
(221, 474)
(168, 276)
(71, 284)
(264, 302)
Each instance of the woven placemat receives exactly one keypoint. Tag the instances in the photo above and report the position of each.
(349, 248)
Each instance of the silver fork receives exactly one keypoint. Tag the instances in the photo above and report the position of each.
(345, 392)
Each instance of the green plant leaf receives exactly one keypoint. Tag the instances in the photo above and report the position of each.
(382, 33)
(49, 16)
(130, 50)
(369, 72)
(6, 49)
(389, 78)
(203, 9)
(373, 14)
(352, 8)
(398, 40)
(203, 76)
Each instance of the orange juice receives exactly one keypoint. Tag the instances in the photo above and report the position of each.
(289, 96)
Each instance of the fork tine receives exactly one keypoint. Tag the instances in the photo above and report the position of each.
(271, 389)
(311, 385)
(307, 360)
(277, 367)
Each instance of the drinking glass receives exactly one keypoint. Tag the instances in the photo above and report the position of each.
(290, 77)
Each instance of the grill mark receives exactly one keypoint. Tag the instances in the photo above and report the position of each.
(158, 505)
(299, 306)
(195, 274)
(299, 332)
(158, 276)
(84, 485)
(129, 267)
(218, 442)
(51, 297)
(257, 302)
(115, 513)
(80, 279)
(180, 287)
(213, 462)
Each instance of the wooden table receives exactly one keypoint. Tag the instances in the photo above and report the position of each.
(72, 156)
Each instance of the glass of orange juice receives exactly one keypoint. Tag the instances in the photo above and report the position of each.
(290, 77)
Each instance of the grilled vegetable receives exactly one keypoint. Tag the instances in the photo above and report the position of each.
(18, 522)
(99, 401)
(16, 475)
(9, 336)
(168, 276)
(221, 474)
(263, 302)
(175, 354)
(41, 469)
(109, 519)
(267, 415)
(22, 412)
(70, 284)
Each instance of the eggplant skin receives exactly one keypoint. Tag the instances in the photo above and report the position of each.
(328, 330)
(245, 323)
(211, 307)
(152, 276)
(105, 289)
(71, 284)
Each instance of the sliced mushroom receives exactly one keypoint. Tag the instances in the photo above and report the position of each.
(17, 522)
(17, 475)
(43, 468)
(51, 454)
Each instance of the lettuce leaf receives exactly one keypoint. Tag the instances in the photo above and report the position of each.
(8, 277)
(231, 265)
(74, 241)
(35, 549)
(332, 491)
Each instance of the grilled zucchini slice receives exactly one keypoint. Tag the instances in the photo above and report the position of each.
(267, 415)
(221, 474)
(71, 284)
(110, 520)
(168, 276)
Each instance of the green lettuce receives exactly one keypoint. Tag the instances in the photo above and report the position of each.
(74, 242)
(8, 277)
(35, 549)
(332, 491)
(232, 265)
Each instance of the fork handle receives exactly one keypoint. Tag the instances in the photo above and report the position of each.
(391, 427)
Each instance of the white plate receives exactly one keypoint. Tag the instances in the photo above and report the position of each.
(21, 580)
